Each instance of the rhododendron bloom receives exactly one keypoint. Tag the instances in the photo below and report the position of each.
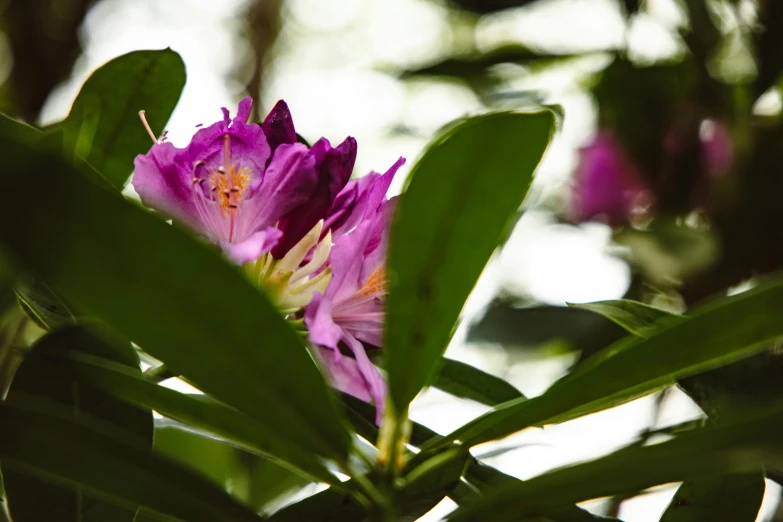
(608, 185)
(353, 307)
(237, 181)
(276, 206)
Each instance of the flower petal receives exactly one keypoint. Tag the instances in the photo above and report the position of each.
(343, 374)
(318, 318)
(334, 167)
(278, 126)
(163, 179)
(251, 248)
(288, 182)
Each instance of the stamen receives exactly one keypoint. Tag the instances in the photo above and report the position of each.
(143, 116)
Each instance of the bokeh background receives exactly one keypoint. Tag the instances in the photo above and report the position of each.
(662, 185)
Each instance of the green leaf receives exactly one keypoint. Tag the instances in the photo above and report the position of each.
(638, 318)
(468, 382)
(258, 481)
(487, 479)
(463, 193)
(103, 126)
(42, 377)
(42, 305)
(719, 498)
(722, 332)
(214, 459)
(200, 412)
(103, 462)
(736, 448)
(170, 294)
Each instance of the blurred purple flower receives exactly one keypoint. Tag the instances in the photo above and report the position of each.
(609, 186)
(352, 309)
(717, 147)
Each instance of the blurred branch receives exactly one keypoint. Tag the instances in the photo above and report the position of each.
(263, 27)
(44, 41)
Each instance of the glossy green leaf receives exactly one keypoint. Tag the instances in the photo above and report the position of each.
(103, 462)
(103, 126)
(719, 498)
(715, 335)
(462, 195)
(638, 318)
(736, 448)
(42, 377)
(468, 382)
(199, 412)
(170, 294)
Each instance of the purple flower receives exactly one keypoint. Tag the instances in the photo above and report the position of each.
(351, 311)
(234, 182)
(609, 186)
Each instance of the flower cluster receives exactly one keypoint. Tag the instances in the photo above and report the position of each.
(290, 215)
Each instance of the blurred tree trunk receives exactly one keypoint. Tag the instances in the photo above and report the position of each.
(263, 27)
(44, 40)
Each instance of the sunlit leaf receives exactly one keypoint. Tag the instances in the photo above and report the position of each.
(103, 126)
(638, 318)
(735, 448)
(463, 193)
(722, 332)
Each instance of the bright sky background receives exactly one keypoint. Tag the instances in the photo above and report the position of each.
(329, 67)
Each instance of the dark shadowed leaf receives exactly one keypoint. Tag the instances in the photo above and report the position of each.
(42, 377)
(103, 126)
(41, 304)
(638, 318)
(171, 295)
(722, 332)
(463, 192)
(719, 498)
(103, 462)
(200, 412)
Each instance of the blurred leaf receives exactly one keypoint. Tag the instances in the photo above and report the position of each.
(103, 462)
(722, 332)
(22, 131)
(738, 447)
(465, 381)
(41, 305)
(638, 318)
(719, 498)
(103, 126)
(477, 64)
(532, 327)
(169, 294)
(490, 6)
(43, 378)
(770, 42)
(197, 411)
(463, 192)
